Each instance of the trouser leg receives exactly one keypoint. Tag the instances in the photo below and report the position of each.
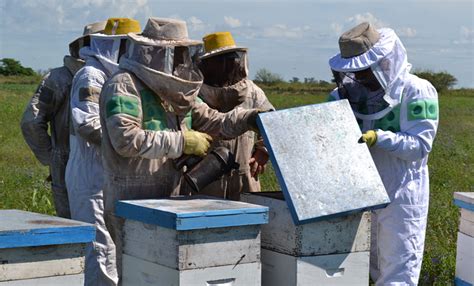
(100, 254)
(61, 201)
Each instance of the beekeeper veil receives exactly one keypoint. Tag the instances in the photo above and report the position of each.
(370, 70)
(107, 47)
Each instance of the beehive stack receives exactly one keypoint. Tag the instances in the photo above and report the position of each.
(191, 241)
(37, 249)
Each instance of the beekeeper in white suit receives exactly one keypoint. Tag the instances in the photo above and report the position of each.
(398, 115)
(84, 172)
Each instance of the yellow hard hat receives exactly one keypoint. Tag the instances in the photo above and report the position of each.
(218, 43)
(120, 26)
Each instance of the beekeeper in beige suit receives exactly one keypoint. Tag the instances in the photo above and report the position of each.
(226, 86)
(150, 115)
(49, 108)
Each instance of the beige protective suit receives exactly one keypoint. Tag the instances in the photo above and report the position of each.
(244, 94)
(49, 108)
(143, 114)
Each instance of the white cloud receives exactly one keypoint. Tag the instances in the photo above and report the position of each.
(232, 22)
(195, 24)
(68, 15)
(366, 17)
(467, 34)
(337, 28)
(282, 31)
(406, 32)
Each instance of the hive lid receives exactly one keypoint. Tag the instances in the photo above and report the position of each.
(21, 229)
(322, 169)
(196, 212)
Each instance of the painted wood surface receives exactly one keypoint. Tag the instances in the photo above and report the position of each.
(321, 180)
(197, 212)
(467, 197)
(192, 249)
(140, 272)
(65, 280)
(22, 229)
(339, 269)
(465, 258)
(337, 235)
(466, 227)
(467, 215)
(41, 261)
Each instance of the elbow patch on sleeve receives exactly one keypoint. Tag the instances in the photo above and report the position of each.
(90, 94)
(422, 109)
(46, 94)
(122, 104)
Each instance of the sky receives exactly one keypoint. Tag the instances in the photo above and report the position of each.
(290, 38)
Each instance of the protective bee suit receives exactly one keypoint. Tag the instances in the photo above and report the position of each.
(147, 109)
(50, 106)
(226, 86)
(84, 172)
(402, 109)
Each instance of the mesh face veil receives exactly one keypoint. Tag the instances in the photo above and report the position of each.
(179, 61)
(225, 69)
(362, 89)
(377, 76)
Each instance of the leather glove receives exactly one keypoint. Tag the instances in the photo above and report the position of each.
(258, 160)
(196, 143)
(369, 137)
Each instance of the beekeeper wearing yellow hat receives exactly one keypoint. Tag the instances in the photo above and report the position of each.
(226, 87)
(84, 172)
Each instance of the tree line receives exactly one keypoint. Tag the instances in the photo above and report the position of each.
(440, 80)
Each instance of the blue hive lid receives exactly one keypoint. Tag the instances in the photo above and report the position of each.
(196, 212)
(322, 169)
(22, 229)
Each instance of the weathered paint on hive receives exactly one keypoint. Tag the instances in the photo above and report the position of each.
(322, 169)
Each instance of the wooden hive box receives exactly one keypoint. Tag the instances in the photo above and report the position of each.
(319, 227)
(37, 249)
(465, 243)
(333, 251)
(191, 241)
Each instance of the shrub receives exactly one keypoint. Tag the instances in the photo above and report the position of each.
(440, 80)
(267, 77)
(10, 67)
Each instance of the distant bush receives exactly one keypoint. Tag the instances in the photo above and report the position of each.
(9, 67)
(440, 80)
(267, 77)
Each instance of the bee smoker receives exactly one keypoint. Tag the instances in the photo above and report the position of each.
(200, 172)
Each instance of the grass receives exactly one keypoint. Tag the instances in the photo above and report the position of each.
(451, 163)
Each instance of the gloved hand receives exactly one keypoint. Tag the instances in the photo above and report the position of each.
(258, 160)
(369, 137)
(196, 143)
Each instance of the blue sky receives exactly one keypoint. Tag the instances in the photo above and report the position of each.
(291, 38)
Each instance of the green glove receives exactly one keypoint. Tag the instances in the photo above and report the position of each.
(196, 143)
(369, 137)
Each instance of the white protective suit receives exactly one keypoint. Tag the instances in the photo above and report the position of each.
(84, 172)
(406, 127)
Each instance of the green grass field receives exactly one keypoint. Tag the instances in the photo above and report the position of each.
(23, 186)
